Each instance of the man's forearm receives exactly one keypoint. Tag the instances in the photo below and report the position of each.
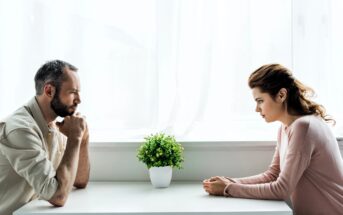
(66, 172)
(82, 175)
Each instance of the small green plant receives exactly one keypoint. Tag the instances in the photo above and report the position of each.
(160, 150)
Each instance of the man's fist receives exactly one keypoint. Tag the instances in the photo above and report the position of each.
(73, 126)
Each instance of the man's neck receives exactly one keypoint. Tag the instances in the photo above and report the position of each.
(44, 105)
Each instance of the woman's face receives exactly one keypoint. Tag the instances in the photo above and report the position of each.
(271, 110)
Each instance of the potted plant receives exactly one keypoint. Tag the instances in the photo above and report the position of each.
(160, 152)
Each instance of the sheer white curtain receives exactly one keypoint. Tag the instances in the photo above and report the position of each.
(176, 66)
(213, 47)
(318, 52)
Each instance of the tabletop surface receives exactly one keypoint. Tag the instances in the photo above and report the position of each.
(141, 198)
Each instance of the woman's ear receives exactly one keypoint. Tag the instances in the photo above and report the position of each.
(282, 95)
(49, 90)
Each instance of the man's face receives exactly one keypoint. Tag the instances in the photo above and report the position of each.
(59, 108)
(66, 99)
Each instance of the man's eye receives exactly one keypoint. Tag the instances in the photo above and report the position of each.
(259, 101)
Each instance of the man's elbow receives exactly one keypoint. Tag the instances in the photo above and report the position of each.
(61, 195)
(58, 200)
(81, 182)
(81, 185)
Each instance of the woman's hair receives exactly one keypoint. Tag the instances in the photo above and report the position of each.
(271, 78)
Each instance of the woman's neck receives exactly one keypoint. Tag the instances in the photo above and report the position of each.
(287, 120)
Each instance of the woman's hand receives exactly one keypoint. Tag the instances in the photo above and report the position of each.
(216, 185)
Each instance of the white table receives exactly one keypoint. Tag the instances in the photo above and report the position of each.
(133, 198)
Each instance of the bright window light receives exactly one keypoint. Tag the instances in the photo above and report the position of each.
(177, 66)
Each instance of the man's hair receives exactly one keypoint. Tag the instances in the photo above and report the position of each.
(51, 72)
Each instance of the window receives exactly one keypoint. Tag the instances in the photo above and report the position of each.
(175, 66)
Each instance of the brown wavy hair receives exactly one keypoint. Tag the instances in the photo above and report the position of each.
(270, 78)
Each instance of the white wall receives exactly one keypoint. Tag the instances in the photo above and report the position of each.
(117, 161)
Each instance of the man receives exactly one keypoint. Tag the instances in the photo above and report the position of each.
(38, 156)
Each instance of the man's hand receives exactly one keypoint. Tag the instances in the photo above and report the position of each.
(216, 185)
(73, 126)
(85, 136)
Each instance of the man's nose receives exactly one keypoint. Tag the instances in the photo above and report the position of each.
(78, 99)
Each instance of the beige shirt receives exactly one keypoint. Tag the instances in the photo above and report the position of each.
(30, 152)
(311, 173)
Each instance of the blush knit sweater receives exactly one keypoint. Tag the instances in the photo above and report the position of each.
(308, 170)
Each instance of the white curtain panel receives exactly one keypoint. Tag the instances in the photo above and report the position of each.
(177, 66)
(318, 52)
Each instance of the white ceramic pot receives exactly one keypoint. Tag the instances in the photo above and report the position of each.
(160, 177)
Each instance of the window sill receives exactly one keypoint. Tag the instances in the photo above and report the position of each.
(214, 145)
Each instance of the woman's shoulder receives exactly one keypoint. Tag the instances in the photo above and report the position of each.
(306, 121)
(310, 126)
(304, 135)
(307, 124)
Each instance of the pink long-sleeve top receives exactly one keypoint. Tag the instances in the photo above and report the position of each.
(308, 169)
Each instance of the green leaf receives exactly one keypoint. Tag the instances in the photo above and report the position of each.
(161, 150)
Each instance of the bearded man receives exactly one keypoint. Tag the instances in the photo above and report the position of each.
(40, 157)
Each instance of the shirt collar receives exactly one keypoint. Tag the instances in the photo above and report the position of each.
(37, 115)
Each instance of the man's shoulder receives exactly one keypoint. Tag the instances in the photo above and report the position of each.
(20, 119)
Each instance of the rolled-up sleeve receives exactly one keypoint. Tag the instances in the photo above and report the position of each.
(24, 150)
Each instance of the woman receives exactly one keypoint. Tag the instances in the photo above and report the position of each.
(307, 165)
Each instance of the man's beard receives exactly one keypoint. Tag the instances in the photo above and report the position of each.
(59, 108)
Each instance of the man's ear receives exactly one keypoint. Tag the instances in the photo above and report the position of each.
(282, 95)
(49, 90)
